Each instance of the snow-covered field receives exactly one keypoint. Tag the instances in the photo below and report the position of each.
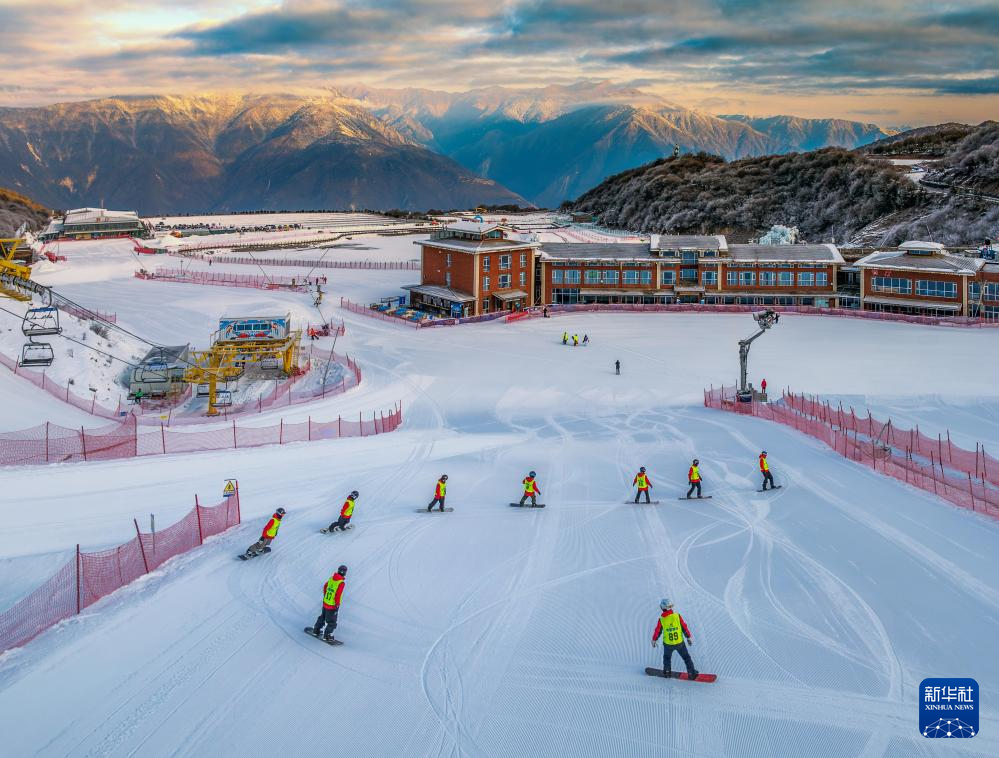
(500, 631)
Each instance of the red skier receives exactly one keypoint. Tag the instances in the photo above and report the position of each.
(267, 535)
(673, 630)
(763, 386)
(643, 482)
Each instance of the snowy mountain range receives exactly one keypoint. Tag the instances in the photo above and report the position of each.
(359, 147)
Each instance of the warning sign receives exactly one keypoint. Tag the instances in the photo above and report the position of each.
(230, 488)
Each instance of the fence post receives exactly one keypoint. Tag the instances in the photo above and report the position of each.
(950, 451)
(142, 549)
(971, 491)
(197, 511)
(281, 431)
(234, 446)
(163, 437)
(79, 579)
(83, 443)
(360, 421)
(310, 428)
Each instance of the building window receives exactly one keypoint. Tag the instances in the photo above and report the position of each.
(557, 276)
(688, 256)
(505, 261)
(709, 278)
(645, 276)
(611, 277)
(785, 278)
(485, 262)
(572, 277)
(523, 278)
(689, 274)
(447, 278)
(892, 284)
(523, 259)
(630, 276)
(747, 278)
(592, 277)
(504, 281)
(449, 260)
(822, 279)
(930, 288)
(485, 284)
(565, 296)
(991, 292)
(669, 277)
(768, 278)
(806, 279)
(485, 305)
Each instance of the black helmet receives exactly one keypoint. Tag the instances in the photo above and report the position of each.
(355, 493)
(641, 470)
(342, 571)
(533, 474)
(279, 512)
(764, 452)
(696, 461)
(443, 477)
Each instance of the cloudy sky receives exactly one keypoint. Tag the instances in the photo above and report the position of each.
(888, 61)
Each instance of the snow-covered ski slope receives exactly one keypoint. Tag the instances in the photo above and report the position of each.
(496, 631)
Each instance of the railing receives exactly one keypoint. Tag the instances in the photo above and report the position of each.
(225, 279)
(969, 480)
(88, 577)
(426, 323)
(305, 262)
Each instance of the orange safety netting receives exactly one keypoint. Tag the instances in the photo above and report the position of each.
(934, 464)
(88, 577)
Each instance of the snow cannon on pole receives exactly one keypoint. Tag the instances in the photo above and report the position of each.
(765, 320)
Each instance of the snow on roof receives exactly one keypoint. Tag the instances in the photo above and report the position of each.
(99, 215)
(487, 245)
(688, 241)
(596, 250)
(477, 227)
(920, 245)
(824, 253)
(445, 293)
(944, 263)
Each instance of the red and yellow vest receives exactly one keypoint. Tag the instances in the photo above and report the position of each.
(642, 481)
(329, 597)
(441, 488)
(529, 485)
(672, 629)
(694, 475)
(271, 530)
(348, 508)
(764, 466)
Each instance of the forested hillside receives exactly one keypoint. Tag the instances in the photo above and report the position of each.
(16, 209)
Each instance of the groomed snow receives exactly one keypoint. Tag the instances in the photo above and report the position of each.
(499, 631)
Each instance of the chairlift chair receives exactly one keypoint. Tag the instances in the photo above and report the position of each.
(37, 354)
(223, 398)
(39, 322)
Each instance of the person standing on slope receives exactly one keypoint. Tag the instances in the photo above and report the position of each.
(765, 470)
(345, 513)
(694, 478)
(643, 482)
(565, 338)
(531, 489)
(332, 594)
(673, 629)
(267, 535)
(763, 386)
(575, 340)
(440, 492)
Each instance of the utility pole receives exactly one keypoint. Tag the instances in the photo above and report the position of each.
(765, 320)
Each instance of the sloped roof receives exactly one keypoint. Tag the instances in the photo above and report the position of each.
(824, 253)
(597, 251)
(689, 241)
(939, 262)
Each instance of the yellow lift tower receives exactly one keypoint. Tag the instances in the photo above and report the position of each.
(15, 278)
(266, 340)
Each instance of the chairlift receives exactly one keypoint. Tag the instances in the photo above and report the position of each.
(269, 363)
(41, 321)
(223, 398)
(203, 391)
(37, 354)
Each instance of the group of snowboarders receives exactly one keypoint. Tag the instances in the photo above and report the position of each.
(575, 339)
(671, 628)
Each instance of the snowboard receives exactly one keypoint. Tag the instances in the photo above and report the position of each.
(518, 505)
(424, 510)
(777, 487)
(705, 497)
(706, 678)
(642, 502)
(312, 633)
(245, 557)
(332, 531)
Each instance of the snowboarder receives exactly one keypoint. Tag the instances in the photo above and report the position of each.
(694, 478)
(617, 367)
(531, 489)
(332, 593)
(765, 470)
(643, 482)
(763, 386)
(345, 513)
(565, 338)
(267, 535)
(673, 630)
(575, 340)
(586, 340)
(439, 494)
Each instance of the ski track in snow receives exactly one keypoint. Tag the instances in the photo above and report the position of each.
(494, 630)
